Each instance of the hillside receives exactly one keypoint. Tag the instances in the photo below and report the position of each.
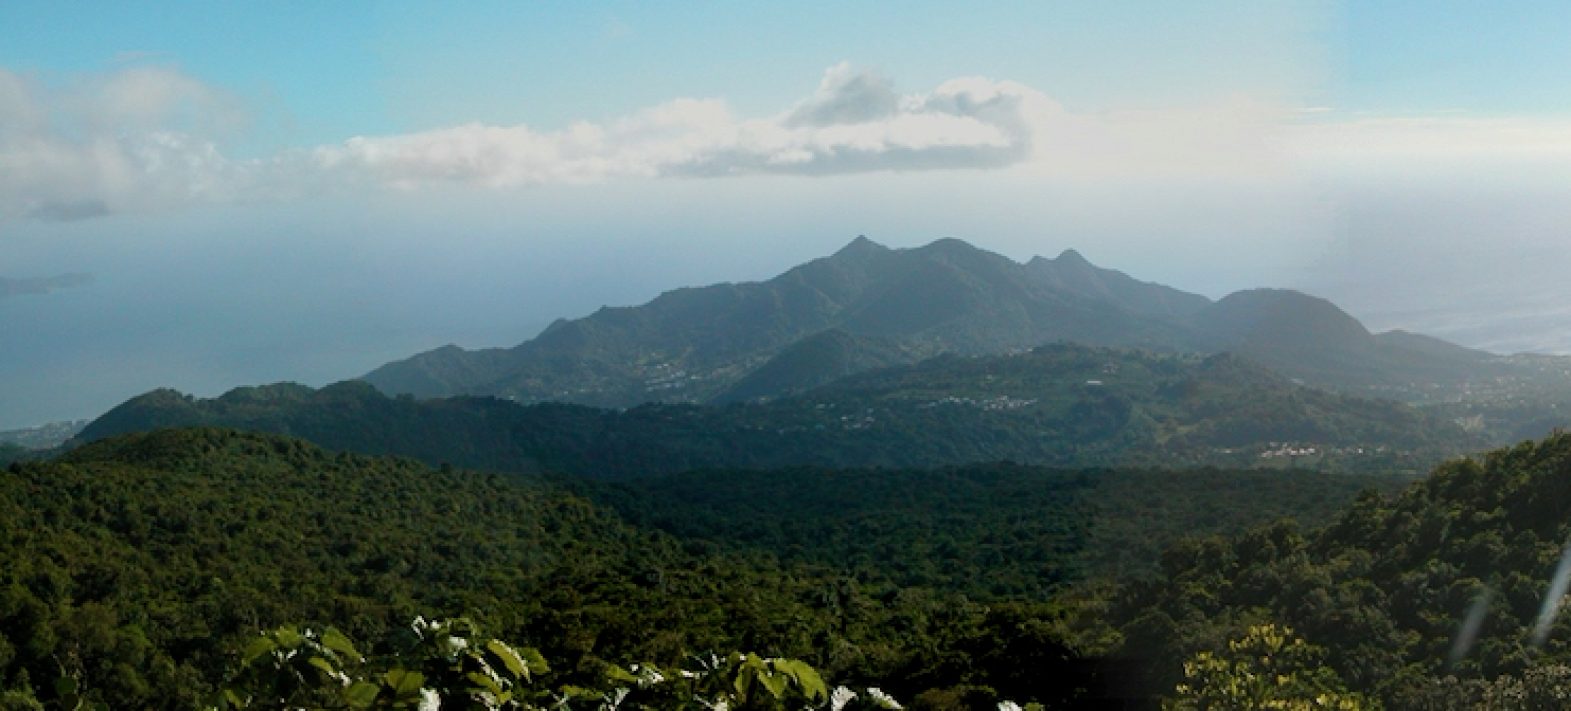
(1062, 405)
(1385, 589)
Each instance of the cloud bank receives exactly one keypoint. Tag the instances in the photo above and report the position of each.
(854, 122)
(151, 138)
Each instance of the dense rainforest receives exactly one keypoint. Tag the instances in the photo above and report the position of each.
(138, 566)
(1446, 596)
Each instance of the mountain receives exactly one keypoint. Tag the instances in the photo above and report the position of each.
(697, 344)
(1062, 405)
(868, 306)
(1311, 339)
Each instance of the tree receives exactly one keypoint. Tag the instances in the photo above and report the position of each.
(1267, 668)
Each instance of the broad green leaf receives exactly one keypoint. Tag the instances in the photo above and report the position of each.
(65, 686)
(510, 659)
(807, 678)
(774, 683)
(287, 638)
(577, 692)
(484, 682)
(325, 666)
(404, 681)
(340, 644)
(362, 694)
(536, 661)
(257, 648)
(616, 673)
(743, 682)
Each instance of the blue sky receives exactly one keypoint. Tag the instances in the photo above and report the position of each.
(304, 190)
(341, 69)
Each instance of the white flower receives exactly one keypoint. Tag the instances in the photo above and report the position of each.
(429, 701)
(840, 697)
(1008, 706)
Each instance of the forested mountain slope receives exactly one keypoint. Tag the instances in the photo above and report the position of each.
(1062, 405)
(1431, 599)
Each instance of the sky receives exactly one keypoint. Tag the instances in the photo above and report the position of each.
(302, 191)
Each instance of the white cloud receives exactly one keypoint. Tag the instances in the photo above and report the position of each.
(131, 139)
(855, 122)
(146, 138)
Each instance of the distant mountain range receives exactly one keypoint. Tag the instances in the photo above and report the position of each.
(869, 306)
(1061, 405)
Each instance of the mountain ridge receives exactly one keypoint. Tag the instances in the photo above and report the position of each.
(692, 344)
(868, 305)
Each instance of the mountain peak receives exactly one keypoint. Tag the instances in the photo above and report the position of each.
(861, 245)
(948, 245)
(1070, 256)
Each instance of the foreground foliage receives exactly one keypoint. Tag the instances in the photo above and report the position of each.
(449, 664)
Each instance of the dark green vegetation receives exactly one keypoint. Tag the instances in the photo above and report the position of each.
(1059, 405)
(12, 453)
(868, 306)
(1386, 588)
(993, 532)
(140, 565)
